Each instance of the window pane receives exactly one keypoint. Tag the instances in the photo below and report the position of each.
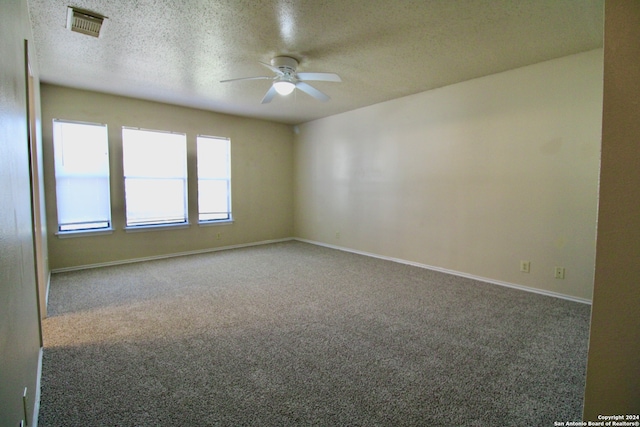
(155, 201)
(214, 179)
(82, 200)
(154, 154)
(155, 170)
(82, 175)
(213, 158)
(213, 200)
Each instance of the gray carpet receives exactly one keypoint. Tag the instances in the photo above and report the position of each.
(294, 334)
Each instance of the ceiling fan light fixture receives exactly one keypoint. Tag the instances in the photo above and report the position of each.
(284, 87)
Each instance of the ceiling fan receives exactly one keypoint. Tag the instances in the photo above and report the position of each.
(287, 80)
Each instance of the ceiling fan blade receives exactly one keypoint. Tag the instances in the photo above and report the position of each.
(307, 88)
(247, 78)
(272, 68)
(320, 77)
(269, 95)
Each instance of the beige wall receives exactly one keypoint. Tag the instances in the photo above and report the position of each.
(613, 371)
(472, 177)
(261, 167)
(19, 322)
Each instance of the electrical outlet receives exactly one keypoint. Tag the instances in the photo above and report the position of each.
(559, 273)
(218, 236)
(337, 235)
(525, 266)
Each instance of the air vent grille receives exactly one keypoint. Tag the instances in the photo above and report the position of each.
(85, 22)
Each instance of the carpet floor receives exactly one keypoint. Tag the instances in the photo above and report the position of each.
(292, 334)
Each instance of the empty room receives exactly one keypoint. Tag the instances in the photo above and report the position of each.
(364, 213)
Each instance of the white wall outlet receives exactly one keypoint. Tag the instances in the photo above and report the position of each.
(337, 235)
(525, 266)
(559, 273)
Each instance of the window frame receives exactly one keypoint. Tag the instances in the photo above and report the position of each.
(159, 223)
(78, 230)
(225, 178)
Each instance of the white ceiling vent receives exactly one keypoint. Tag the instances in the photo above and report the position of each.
(83, 21)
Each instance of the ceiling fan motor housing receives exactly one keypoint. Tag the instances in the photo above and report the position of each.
(285, 64)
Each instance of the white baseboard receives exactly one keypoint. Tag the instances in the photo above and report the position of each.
(341, 248)
(36, 404)
(172, 255)
(452, 272)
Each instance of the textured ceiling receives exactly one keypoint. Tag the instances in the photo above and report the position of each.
(178, 51)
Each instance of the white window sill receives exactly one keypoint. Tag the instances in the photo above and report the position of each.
(83, 233)
(215, 222)
(158, 227)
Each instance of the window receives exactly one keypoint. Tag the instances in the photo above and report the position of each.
(214, 179)
(155, 177)
(81, 159)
